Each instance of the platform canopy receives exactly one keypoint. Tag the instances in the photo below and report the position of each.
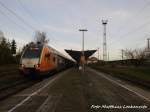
(76, 55)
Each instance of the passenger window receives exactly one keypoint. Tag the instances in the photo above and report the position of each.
(54, 59)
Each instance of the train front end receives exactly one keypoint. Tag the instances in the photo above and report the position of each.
(30, 60)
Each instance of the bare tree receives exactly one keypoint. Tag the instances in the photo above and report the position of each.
(130, 54)
(140, 54)
(135, 56)
(40, 37)
(1, 35)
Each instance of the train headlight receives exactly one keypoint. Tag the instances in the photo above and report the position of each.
(37, 66)
(22, 65)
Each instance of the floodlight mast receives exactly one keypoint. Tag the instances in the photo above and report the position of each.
(104, 23)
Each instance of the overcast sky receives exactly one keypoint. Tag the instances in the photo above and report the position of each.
(128, 23)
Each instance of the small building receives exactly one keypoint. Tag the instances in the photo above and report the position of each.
(92, 60)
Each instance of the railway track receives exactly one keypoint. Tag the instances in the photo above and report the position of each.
(12, 83)
(3, 74)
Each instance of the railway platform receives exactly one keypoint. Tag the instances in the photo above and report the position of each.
(72, 91)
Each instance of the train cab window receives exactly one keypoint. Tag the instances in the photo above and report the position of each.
(32, 52)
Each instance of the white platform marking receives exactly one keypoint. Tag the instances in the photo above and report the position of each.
(34, 93)
(113, 81)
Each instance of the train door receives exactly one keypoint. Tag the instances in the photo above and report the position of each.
(55, 60)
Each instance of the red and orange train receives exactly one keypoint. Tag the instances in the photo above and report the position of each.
(41, 59)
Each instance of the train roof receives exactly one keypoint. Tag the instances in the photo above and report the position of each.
(53, 50)
(58, 53)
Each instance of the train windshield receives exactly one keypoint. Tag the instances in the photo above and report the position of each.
(32, 52)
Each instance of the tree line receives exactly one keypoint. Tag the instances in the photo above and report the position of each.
(136, 56)
(8, 48)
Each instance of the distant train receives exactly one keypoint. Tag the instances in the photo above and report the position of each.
(39, 60)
